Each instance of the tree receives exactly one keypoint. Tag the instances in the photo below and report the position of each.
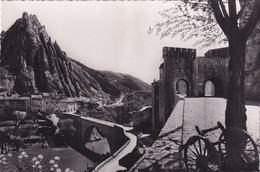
(211, 20)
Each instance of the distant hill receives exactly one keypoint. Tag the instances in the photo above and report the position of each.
(40, 65)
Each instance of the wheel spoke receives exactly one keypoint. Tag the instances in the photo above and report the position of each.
(204, 151)
(222, 150)
(248, 158)
(222, 141)
(223, 147)
(197, 157)
(194, 145)
(200, 148)
(191, 156)
(250, 150)
(193, 151)
(248, 140)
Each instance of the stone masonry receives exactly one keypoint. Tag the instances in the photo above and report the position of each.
(164, 154)
(184, 73)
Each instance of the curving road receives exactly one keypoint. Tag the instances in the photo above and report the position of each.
(113, 165)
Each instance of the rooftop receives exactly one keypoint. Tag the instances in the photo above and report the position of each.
(68, 100)
(144, 108)
(37, 96)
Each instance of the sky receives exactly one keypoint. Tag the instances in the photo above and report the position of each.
(103, 35)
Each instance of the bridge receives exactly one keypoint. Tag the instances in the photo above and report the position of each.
(114, 133)
(120, 141)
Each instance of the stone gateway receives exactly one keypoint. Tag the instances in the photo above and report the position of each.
(182, 72)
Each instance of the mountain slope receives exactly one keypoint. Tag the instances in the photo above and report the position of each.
(40, 65)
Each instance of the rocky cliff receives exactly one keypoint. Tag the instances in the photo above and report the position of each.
(40, 65)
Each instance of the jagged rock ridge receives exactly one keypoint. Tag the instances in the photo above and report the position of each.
(40, 65)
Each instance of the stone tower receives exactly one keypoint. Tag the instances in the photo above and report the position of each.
(175, 77)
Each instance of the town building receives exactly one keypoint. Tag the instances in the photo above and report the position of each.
(49, 100)
(19, 104)
(3, 92)
(45, 103)
(68, 105)
(14, 103)
(37, 103)
(4, 104)
(82, 102)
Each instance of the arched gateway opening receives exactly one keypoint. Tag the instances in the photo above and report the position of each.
(209, 89)
(182, 87)
(96, 141)
(213, 88)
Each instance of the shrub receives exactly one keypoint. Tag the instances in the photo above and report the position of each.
(23, 164)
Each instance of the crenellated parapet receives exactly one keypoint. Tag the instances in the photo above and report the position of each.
(179, 52)
(220, 52)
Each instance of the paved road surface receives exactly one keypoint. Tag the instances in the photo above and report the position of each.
(113, 165)
(204, 112)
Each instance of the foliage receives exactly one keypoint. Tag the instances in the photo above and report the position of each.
(3, 161)
(66, 125)
(67, 132)
(21, 165)
(36, 163)
(90, 168)
(197, 20)
(191, 20)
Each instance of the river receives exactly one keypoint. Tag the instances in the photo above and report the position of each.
(100, 146)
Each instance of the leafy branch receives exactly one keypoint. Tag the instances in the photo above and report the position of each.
(190, 20)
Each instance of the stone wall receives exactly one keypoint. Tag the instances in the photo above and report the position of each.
(182, 64)
(213, 69)
(155, 107)
(142, 120)
(177, 66)
(161, 115)
(252, 72)
(163, 155)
